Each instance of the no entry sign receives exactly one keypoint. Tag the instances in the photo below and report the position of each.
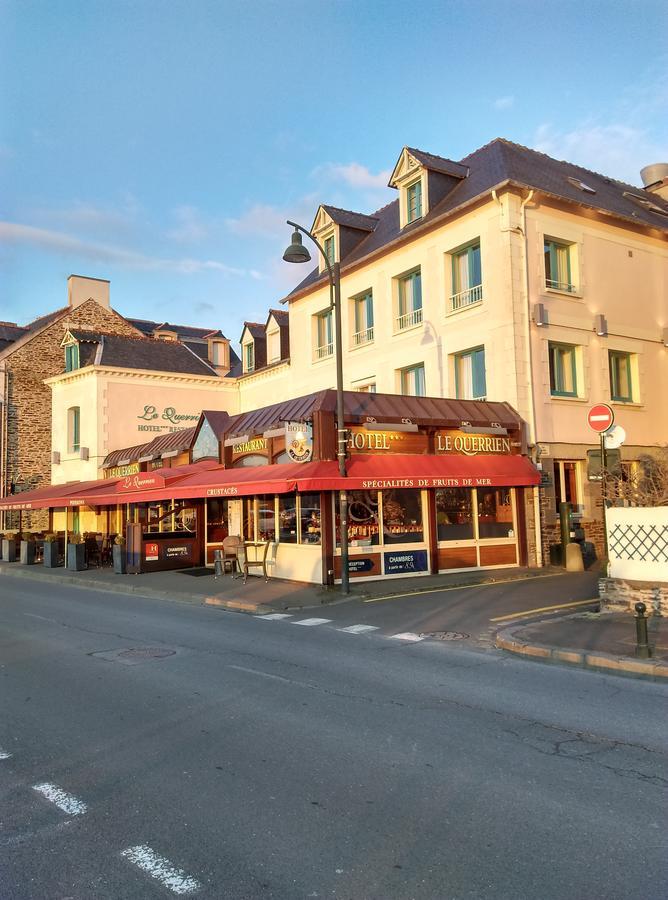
(600, 417)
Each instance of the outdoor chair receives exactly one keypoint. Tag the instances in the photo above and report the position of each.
(230, 546)
(245, 563)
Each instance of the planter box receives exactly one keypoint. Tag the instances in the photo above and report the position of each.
(27, 553)
(120, 559)
(51, 554)
(8, 551)
(76, 557)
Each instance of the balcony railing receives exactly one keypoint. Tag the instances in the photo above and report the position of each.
(409, 319)
(565, 286)
(363, 337)
(324, 350)
(466, 298)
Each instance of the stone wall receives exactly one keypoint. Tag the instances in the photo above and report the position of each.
(28, 450)
(621, 595)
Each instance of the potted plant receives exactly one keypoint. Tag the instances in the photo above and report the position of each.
(9, 547)
(51, 551)
(27, 557)
(76, 553)
(118, 554)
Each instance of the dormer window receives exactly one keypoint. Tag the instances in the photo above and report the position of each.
(330, 249)
(249, 357)
(273, 346)
(414, 201)
(71, 357)
(218, 354)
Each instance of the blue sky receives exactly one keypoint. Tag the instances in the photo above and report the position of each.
(162, 144)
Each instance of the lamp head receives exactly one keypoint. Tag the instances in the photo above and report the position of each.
(296, 252)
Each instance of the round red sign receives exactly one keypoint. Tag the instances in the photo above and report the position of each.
(600, 417)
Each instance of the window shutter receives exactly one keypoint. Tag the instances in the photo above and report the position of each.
(479, 385)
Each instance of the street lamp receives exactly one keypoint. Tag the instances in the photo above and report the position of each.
(298, 253)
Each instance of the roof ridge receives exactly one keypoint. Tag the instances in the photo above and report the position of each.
(352, 212)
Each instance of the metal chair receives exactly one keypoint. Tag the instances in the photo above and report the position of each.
(245, 563)
(230, 545)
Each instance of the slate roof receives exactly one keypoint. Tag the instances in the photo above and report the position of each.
(350, 219)
(146, 326)
(164, 443)
(499, 163)
(141, 353)
(439, 163)
(281, 316)
(256, 329)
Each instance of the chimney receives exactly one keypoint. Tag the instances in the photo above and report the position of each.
(81, 288)
(655, 179)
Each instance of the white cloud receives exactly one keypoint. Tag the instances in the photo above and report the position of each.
(504, 102)
(354, 175)
(261, 219)
(116, 220)
(64, 244)
(191, 226)
(617, 150)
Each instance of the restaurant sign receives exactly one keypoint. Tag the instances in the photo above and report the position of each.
(299, 441)
(141, 482)
(471, 444)
(253, 445)
(122, 471)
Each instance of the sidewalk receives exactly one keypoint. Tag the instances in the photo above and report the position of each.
(256, 596)
(598, 640)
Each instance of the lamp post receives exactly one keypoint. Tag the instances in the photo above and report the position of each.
(298, 253)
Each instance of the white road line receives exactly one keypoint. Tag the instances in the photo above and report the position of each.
(67, 802)
(406, 636)
(5, 755)
(311, 622)
(274, 617)
(161, 869)
(358, 629)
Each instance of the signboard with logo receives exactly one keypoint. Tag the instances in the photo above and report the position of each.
(470, 444)
(169, 552)
(122, 471)
(299, 441)
(254, 450)
(166, 419)
(361, 440)
(405, 562)
(143, 481)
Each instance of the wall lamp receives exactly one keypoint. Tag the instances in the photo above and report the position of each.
(601, 325)
(540, 315)
(665, 337)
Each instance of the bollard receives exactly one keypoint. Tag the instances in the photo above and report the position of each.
(217, 563)
(643, 649)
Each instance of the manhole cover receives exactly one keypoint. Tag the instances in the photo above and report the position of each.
(445, 635)
(146, 653)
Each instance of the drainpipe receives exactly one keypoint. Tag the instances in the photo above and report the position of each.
(522, 229)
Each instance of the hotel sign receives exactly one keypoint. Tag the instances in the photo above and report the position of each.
(471, 444)
(299, 441)
(362, 441)
(122, 471)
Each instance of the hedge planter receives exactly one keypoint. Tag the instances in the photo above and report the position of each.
(9, 550)
(120, 559)
(27, 553)
(76, 557)
(51, 554)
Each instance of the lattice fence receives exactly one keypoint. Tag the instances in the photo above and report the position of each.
(638, 543)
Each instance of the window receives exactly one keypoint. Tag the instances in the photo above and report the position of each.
(495, 513)
(273, 346)
(466, 277)
(71, 357)
(621, 382)
(368, 387)
(324, 341)
(558, 266)
(454, 514)
(410, 300)
(470, 383)
(330, 249)
(218, 353)
(249, 357)
(73, 429)
(567, 484)
(363, 319)
(563, 370)
(414, 202)
(412, 381)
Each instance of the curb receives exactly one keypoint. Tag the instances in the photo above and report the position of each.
(245, 606)
(605, 662)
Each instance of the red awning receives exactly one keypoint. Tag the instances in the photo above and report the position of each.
(52, 495)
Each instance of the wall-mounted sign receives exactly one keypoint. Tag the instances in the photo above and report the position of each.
(299, 441)
(141, 482)
(360, 564)
(405, 561)
(471, 444)
(151, 552)
(122, 471)
(362, 441)
(169, 414)
(253, 445)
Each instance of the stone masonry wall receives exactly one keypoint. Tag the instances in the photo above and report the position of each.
(29, 399)
(621, 595)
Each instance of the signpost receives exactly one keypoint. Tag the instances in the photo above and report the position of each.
(601, 418)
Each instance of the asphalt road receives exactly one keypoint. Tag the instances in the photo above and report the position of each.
(264, 759)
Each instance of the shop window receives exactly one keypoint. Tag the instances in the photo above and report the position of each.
(363, 518)
(470, 380)
(402, 517)
(495, 513)
(266, 519)
(309, 516)
(621, 380)
(563, 370)
(217, 528)
(71, 357)
(73, 429)
(454, 514)
(287, 519)
(567, 487)
(412, 381)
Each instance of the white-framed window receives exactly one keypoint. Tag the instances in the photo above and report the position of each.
(324, 335)
(412, 381)
(249, 357)
(273, 346)
(560, 265)
(466, 277)
(623, 376)
(363, 319)
(470, 379)
(218, 353)
(414, 201)
(73, 429)
(568, 484)
(409, 300)
(563, 369)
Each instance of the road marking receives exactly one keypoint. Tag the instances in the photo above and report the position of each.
(406, 636)
(5, 755)
(67, 802)
(161, 869)
(461, 587)
(311, 622)
(274, 617)
(540, 609)
(358, 629)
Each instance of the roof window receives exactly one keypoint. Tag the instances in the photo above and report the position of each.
(645, 203)
(581, 185)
